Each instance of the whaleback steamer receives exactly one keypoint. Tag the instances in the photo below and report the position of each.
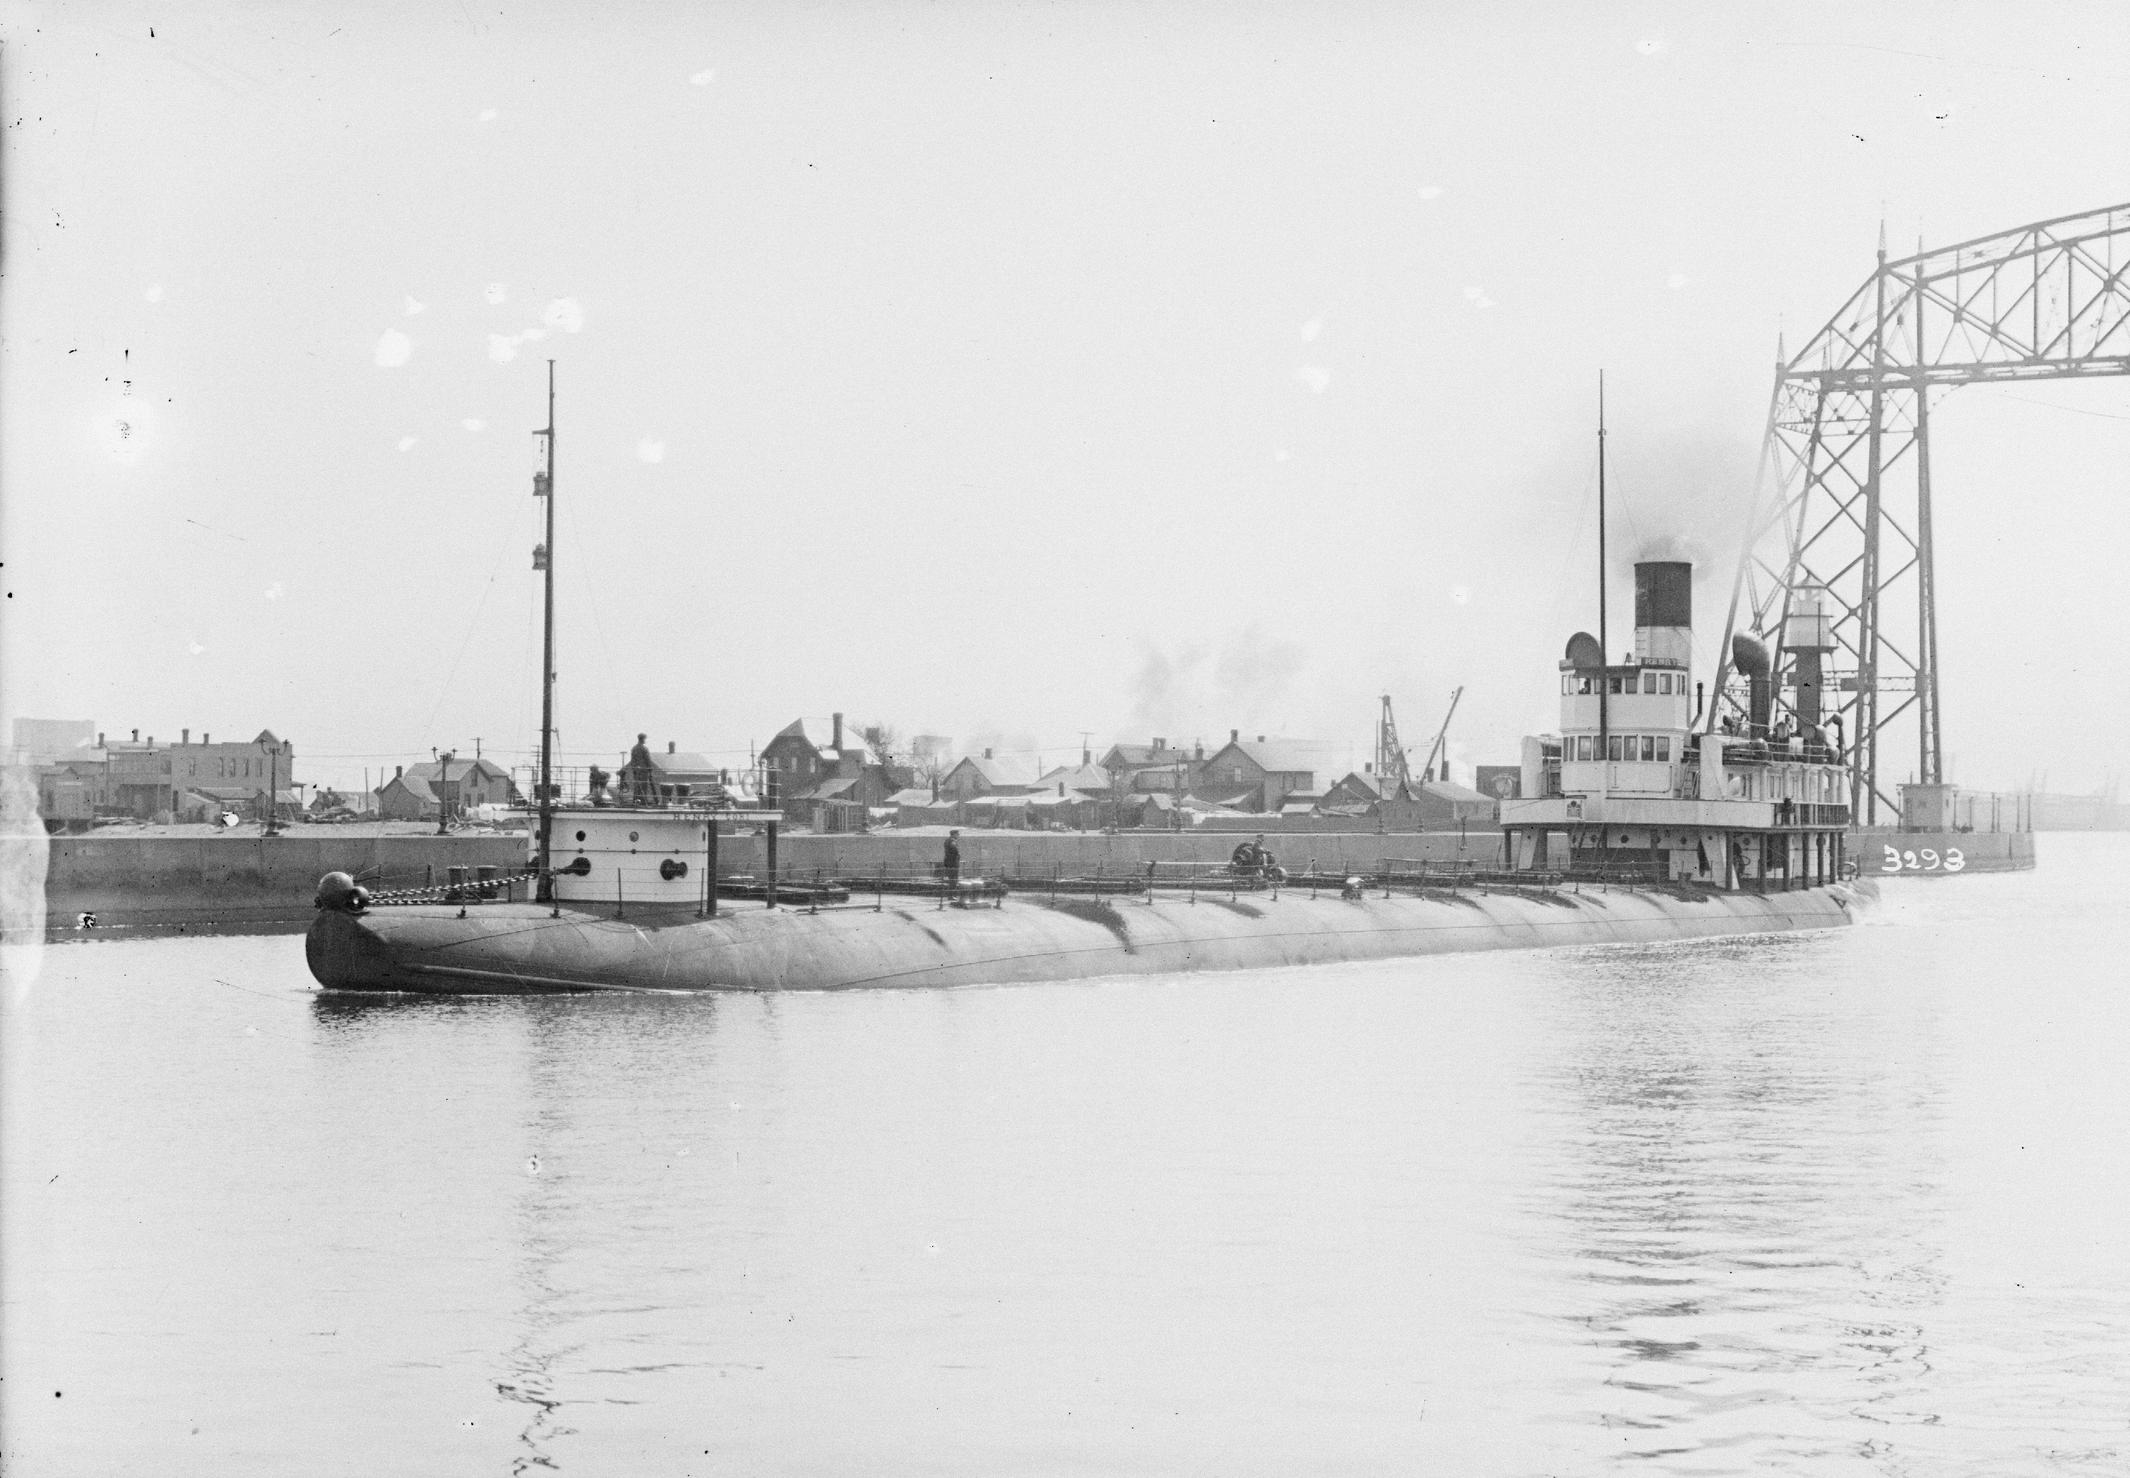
(1635, 829)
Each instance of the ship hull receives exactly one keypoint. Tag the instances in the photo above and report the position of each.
(486, 949)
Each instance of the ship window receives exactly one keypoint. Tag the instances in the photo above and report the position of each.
(1613, 684)
(1664, 748)
(1612, 747)
(1649, 682)
(1649, 747)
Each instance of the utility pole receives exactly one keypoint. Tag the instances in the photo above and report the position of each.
(443, 802)
(273, 774)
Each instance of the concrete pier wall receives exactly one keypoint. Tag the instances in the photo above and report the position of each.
(1082, 854)
(133, 882)
(226, 882)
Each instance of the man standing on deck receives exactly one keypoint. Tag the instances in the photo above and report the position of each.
(950, 861)
(638, 772)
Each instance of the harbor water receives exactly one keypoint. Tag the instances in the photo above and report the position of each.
(1844, 1202)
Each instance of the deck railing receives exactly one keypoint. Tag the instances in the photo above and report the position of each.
(648, 888)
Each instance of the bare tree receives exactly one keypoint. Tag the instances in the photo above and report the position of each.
(881, 738)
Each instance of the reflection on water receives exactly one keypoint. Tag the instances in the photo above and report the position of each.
(1828, 1204)
(1748, 1197)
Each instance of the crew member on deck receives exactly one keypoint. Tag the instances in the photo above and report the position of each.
(950, 860)
(636, 780)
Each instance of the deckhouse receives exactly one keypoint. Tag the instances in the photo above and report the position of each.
(1630, 788)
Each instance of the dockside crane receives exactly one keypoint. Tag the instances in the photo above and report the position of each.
(1390, 754)
(1427, 771)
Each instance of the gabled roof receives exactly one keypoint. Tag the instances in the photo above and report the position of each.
(415, 785)
(916, 795)
(1144, 756)
(1289, 756)
(1011, 770)
(681, 762)
(1076, 778)
(829, 790)
(821, 734)
(1369, 783)
(427, 770)
(1449, 790)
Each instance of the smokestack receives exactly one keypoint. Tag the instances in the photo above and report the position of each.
(836, 739)
(136, 736)
(1807, 634)
(1160, 744)
(398, 770)
(205, 737)
(1664, 612)
(1751, 658)
(184, 736)
(987, 751)
(1087, 756)
(1234, 736)
(669, 746)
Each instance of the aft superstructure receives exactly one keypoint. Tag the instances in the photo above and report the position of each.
(1629, 788)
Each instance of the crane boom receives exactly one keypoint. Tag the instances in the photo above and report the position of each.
(1441, 734)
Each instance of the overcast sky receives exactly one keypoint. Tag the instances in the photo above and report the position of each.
(1001, 371)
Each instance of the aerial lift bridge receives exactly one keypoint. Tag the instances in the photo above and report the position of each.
(1843, 513)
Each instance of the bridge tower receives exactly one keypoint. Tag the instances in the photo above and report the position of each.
(1842, 516)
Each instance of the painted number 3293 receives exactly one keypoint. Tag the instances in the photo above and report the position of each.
(1923, 859)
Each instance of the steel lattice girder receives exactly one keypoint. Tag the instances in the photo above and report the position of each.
(1844, 498)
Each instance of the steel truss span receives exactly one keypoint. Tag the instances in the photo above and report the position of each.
(1844, 501)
